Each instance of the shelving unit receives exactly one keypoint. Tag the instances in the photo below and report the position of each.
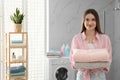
(21, 54)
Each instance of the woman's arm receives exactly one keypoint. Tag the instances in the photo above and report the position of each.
(74, 45)
(109, 48)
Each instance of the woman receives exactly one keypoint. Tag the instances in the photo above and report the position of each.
(91, 37)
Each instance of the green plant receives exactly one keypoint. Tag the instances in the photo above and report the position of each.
(17, 17)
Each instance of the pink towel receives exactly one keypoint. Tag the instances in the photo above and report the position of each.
(90, 55)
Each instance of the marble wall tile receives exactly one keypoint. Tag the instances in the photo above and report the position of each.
(65, 17)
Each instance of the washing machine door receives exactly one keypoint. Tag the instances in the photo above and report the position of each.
(62, 72)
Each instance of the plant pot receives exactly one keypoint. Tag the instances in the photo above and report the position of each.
(18, 28)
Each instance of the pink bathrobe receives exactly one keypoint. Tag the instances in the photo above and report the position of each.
(101, 41)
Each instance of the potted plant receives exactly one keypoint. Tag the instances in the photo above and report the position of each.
(17, 18)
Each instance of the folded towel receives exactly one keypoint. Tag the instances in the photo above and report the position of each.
(92, 65)
(17, 69)
(54, 53)
(16, 41)
(18, 74)
(90, 55)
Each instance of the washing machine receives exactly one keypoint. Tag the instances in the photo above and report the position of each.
(60, 69)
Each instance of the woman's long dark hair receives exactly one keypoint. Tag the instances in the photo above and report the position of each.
(94, 12)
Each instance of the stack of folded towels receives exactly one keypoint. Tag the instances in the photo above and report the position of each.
(53, 53)
(17, 70)
(91, 58)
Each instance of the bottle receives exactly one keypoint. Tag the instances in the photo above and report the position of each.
(13, 56)
(63, 50)
(67, 50)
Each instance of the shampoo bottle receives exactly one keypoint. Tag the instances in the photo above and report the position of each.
(67, 50)
(63, 50)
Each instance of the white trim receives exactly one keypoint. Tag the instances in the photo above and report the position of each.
(24, 7)
(3, 70)
(47, 25)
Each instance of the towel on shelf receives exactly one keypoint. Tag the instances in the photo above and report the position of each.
(18, 74)
(17, 69)
(53, 53)
(16, 41)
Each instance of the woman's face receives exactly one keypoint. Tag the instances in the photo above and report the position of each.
(90, 22)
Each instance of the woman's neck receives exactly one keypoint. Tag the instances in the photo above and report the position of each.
(90, 35)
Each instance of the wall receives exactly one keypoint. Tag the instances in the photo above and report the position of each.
(65, 21)
(116, 45)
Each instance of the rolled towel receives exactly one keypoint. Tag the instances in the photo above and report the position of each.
(90, 55)
(17, 69)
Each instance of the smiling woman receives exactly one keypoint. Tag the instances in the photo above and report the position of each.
(91, 38)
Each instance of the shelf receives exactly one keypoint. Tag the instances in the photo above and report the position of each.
(17, 46)
(18, 61)
(18, 43)
(16, 77)
(17, 33)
